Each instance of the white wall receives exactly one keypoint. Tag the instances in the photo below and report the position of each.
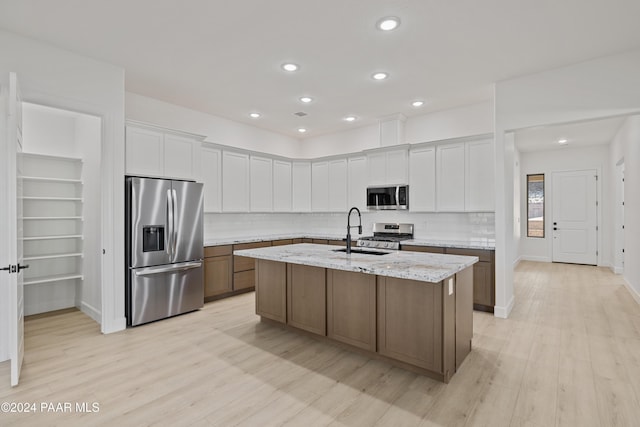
(216, 129)
(458, 122)
(566, 159)
(59, 78)
(626, 146)
(602, 87)
(470, 120)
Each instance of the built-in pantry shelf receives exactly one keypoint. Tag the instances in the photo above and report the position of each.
(53, 278)
(54, 256)
(52, 211)
(31, 218)
(51, 179)
(61, 237)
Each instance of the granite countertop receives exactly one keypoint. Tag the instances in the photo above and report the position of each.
(269, 237)
(471, 243)
(421, 266)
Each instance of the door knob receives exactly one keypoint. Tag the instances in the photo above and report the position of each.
(22, 267)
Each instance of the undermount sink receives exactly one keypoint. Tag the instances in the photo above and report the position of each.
(362, 251)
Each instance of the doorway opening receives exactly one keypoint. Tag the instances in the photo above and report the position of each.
(61, 210)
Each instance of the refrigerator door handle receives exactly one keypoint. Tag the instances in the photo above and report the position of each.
(173, 226)
(169, 224)
(148, 271)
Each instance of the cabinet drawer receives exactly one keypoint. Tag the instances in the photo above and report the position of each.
(483, 255)
(241, 263)
(307, 240)
(211, 251)
(320, 241)
(430, 249)
(337, 242)
(297, 241)
(244, 279)
(282, 242)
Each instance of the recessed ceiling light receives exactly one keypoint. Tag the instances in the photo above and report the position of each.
(389, 23)
(349, 118)
(562, 141)
(417, 103)
(290, 66)
(306, 99)
(254, 115)
(380, 76)
(302, 130)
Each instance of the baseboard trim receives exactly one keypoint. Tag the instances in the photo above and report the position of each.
(616, 270)
(517, 261)
(503, 312)
(91, 311)
(535, 258)
(633, 292)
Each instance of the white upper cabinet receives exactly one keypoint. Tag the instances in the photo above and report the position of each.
(357, 182)
(154, 152)
(235, 182)
(337, 186)
(387, 167)
(450, 166)
(212, 179)
(479, 175)
(422, 179)
(181, 157)
(282, 190)
(397, 170)
(261, 176)
(320, 186)
(301, 186)
(144, 152)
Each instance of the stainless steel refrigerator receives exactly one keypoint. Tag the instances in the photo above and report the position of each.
(164, 250)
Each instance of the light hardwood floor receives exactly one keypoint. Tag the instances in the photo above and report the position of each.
(569, 355)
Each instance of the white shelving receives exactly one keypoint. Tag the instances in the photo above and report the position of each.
(52, 206)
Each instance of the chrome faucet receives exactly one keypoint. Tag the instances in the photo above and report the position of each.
(349, 227)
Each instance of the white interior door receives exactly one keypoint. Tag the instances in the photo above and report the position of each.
(11, 226)
(575, 217)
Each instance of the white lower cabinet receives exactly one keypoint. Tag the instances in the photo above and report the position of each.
(261, 184)
(282, 189)
(422, 179)
(235, 182)
(301, 186)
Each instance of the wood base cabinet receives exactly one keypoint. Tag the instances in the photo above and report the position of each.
(410, 321)
(484, 282)
(351, 308)
(271, 294)
(306, 298)
(218, 271)
(244, 268)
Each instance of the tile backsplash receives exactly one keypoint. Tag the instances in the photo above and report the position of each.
(452, 226)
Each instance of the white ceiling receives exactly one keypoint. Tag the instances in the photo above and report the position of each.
(224, 57)
(582, 134)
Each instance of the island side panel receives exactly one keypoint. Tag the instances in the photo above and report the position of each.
(271, 290)
(449, 327)
(351, 308)
(306, 298)
(464, 314)
(410, 322)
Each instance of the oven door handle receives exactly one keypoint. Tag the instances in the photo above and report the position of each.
(183, 266)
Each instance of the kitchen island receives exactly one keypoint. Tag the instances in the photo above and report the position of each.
(412, 309)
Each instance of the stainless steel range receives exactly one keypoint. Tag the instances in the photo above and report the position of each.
(387, 236)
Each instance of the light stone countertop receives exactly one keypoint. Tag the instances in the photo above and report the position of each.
(426, 267)
(471, 243)
(268, 237)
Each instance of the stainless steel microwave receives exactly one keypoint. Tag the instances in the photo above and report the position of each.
(388, 197)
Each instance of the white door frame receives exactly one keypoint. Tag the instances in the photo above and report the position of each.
(618, 234)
